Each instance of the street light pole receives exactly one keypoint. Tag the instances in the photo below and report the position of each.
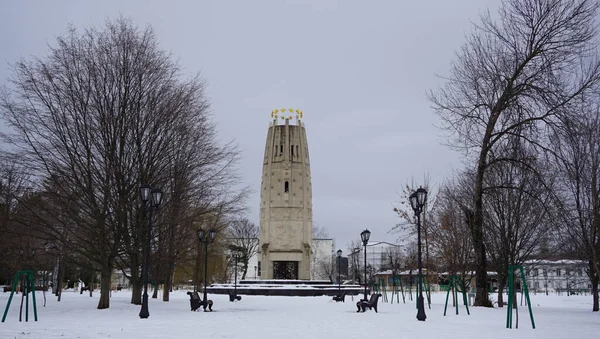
(236, 255)
(155, 197)
(206, 238)
(339, 257)
(417, 201)
(205, 273)
(364, 236)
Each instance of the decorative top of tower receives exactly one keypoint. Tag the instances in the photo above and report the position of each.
(286, 114)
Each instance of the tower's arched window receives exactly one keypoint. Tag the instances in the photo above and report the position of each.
(292, 149)
(286, 187)
(280, 149)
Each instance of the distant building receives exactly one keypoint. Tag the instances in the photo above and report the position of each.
(557, 276)
(321, 266)
(378, 258)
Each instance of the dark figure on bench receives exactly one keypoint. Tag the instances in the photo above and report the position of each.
(371, 304)
(196, 302)
(340, 297)
(234, 297)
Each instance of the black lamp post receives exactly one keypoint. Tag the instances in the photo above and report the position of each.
(417, 201)
(364, 236)
(236, 256)
(154, 196)
(339, 256)
(206, 238)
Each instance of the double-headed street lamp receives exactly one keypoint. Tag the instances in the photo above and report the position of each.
(154, 197)
(237, 255)
(206, 238)
(364, 236)
(339, 257)
(417, 201)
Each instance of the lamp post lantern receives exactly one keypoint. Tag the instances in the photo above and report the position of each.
(364, 236)
(206, 238)
(339, 257)
(417, 201)
(154, 196)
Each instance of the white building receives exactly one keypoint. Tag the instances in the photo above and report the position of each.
(557, 276)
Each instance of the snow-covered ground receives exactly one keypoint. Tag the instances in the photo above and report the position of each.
(292, 317)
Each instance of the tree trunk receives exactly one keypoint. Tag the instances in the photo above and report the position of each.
(136, 283)
(244, 270)
(92, 285)
(475, 221)
(158, 259)
(595, 279)
(168, 282)
(105, 284)
(155, 293)
(156, 280)
(500, 296)
(61, 275)
(136, 292)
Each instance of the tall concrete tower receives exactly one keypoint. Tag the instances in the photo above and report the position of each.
(286, 200)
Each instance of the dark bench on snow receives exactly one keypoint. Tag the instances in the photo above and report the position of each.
(86, 288)
(340, 297)
(196, 302)
(371, 304)
(233, 297)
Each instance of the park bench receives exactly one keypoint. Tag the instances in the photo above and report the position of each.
(233, 297)
(85, 288)
(371, 304)
(340, 297)
(196, 302)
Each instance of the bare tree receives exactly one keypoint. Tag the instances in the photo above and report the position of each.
(244, 234)
(451, 243)
(106, 111)
(517, 211)
(407, 228)
(578, 157)
(319, 232)
(514, 77)
(324, 268)
(355, 269)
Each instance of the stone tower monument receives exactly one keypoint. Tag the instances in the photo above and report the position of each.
(286, 200)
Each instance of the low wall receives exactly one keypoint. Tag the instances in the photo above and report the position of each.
(285, 289)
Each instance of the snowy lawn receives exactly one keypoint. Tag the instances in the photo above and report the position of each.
(291, 317)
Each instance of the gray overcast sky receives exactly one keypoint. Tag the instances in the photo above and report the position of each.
(358, 69)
